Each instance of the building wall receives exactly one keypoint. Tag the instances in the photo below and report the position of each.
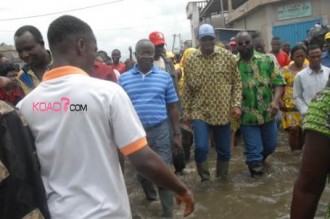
(255, 21)
(192, 11)
(262, 19)
(324, 11)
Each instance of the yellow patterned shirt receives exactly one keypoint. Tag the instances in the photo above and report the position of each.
(212, 86)
(28, 80)
(26, 77)
(290, 115)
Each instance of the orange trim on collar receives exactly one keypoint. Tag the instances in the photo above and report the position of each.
(62, 71)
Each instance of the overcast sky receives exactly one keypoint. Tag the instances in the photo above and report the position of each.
(116, 23)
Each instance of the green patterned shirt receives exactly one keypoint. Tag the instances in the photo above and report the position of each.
(317, 117)
(259, 76)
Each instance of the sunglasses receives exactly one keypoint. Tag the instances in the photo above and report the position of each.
(242, 43)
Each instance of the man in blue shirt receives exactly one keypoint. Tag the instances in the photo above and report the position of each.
(325, 58)
(152, 93)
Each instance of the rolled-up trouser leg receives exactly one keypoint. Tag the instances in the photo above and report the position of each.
(148, 188)
(166, 199)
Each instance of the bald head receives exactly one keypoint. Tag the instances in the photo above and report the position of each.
(143, 43)
(244, 44)
(243, 34)
(144, 53)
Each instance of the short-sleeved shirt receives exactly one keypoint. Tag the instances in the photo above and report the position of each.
(317, 117)
(150, 93)
(79, 123)
(212, 86)
(121, 67)
(259, 76)
(103, 71)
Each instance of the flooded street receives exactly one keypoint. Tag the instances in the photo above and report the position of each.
(241, 197)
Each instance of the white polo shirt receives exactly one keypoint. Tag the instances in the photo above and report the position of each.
(78, 123)
(307, 84)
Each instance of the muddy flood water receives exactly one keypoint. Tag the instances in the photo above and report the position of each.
(241, 197)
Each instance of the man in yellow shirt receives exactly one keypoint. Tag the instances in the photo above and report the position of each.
(212, 97)
(30, 46)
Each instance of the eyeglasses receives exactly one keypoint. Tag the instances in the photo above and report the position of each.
(207, 38)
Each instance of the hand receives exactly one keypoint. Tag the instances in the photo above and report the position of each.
(236, 113)
(188, 200)
(177, 141)
(186, 121)
(273, 108)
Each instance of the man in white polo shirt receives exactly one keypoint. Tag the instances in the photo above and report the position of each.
(78, 123)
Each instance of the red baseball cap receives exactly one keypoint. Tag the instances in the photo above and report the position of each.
(157, 38)
(232, 43)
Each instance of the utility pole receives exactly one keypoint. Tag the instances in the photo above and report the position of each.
(174, 40)
(223, 13)
(174, 37)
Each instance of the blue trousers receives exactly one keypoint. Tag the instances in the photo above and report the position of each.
(260, 141)
(201, 136)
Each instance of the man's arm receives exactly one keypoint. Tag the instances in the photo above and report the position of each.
(152, 167)
(274, 106)
(187, 91)
(312, 176)
(236, 91)
(278, 93)
(174, 115)
(298, 97)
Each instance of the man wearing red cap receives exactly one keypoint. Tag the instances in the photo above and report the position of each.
(160, 60)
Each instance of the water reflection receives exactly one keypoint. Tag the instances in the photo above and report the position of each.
(241, 196)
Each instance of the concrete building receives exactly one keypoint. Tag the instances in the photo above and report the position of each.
(288, 19)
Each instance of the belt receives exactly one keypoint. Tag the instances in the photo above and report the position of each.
(154, 126)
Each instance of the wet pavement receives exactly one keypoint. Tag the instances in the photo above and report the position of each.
(241, 197)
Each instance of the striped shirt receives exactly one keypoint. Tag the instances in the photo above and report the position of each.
(149, 94)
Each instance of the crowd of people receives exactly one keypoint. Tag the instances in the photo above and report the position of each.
(74, 131)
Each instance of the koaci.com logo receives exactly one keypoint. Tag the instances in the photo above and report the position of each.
(61, 106)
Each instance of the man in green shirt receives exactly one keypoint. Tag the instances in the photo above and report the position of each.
(262, 89)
